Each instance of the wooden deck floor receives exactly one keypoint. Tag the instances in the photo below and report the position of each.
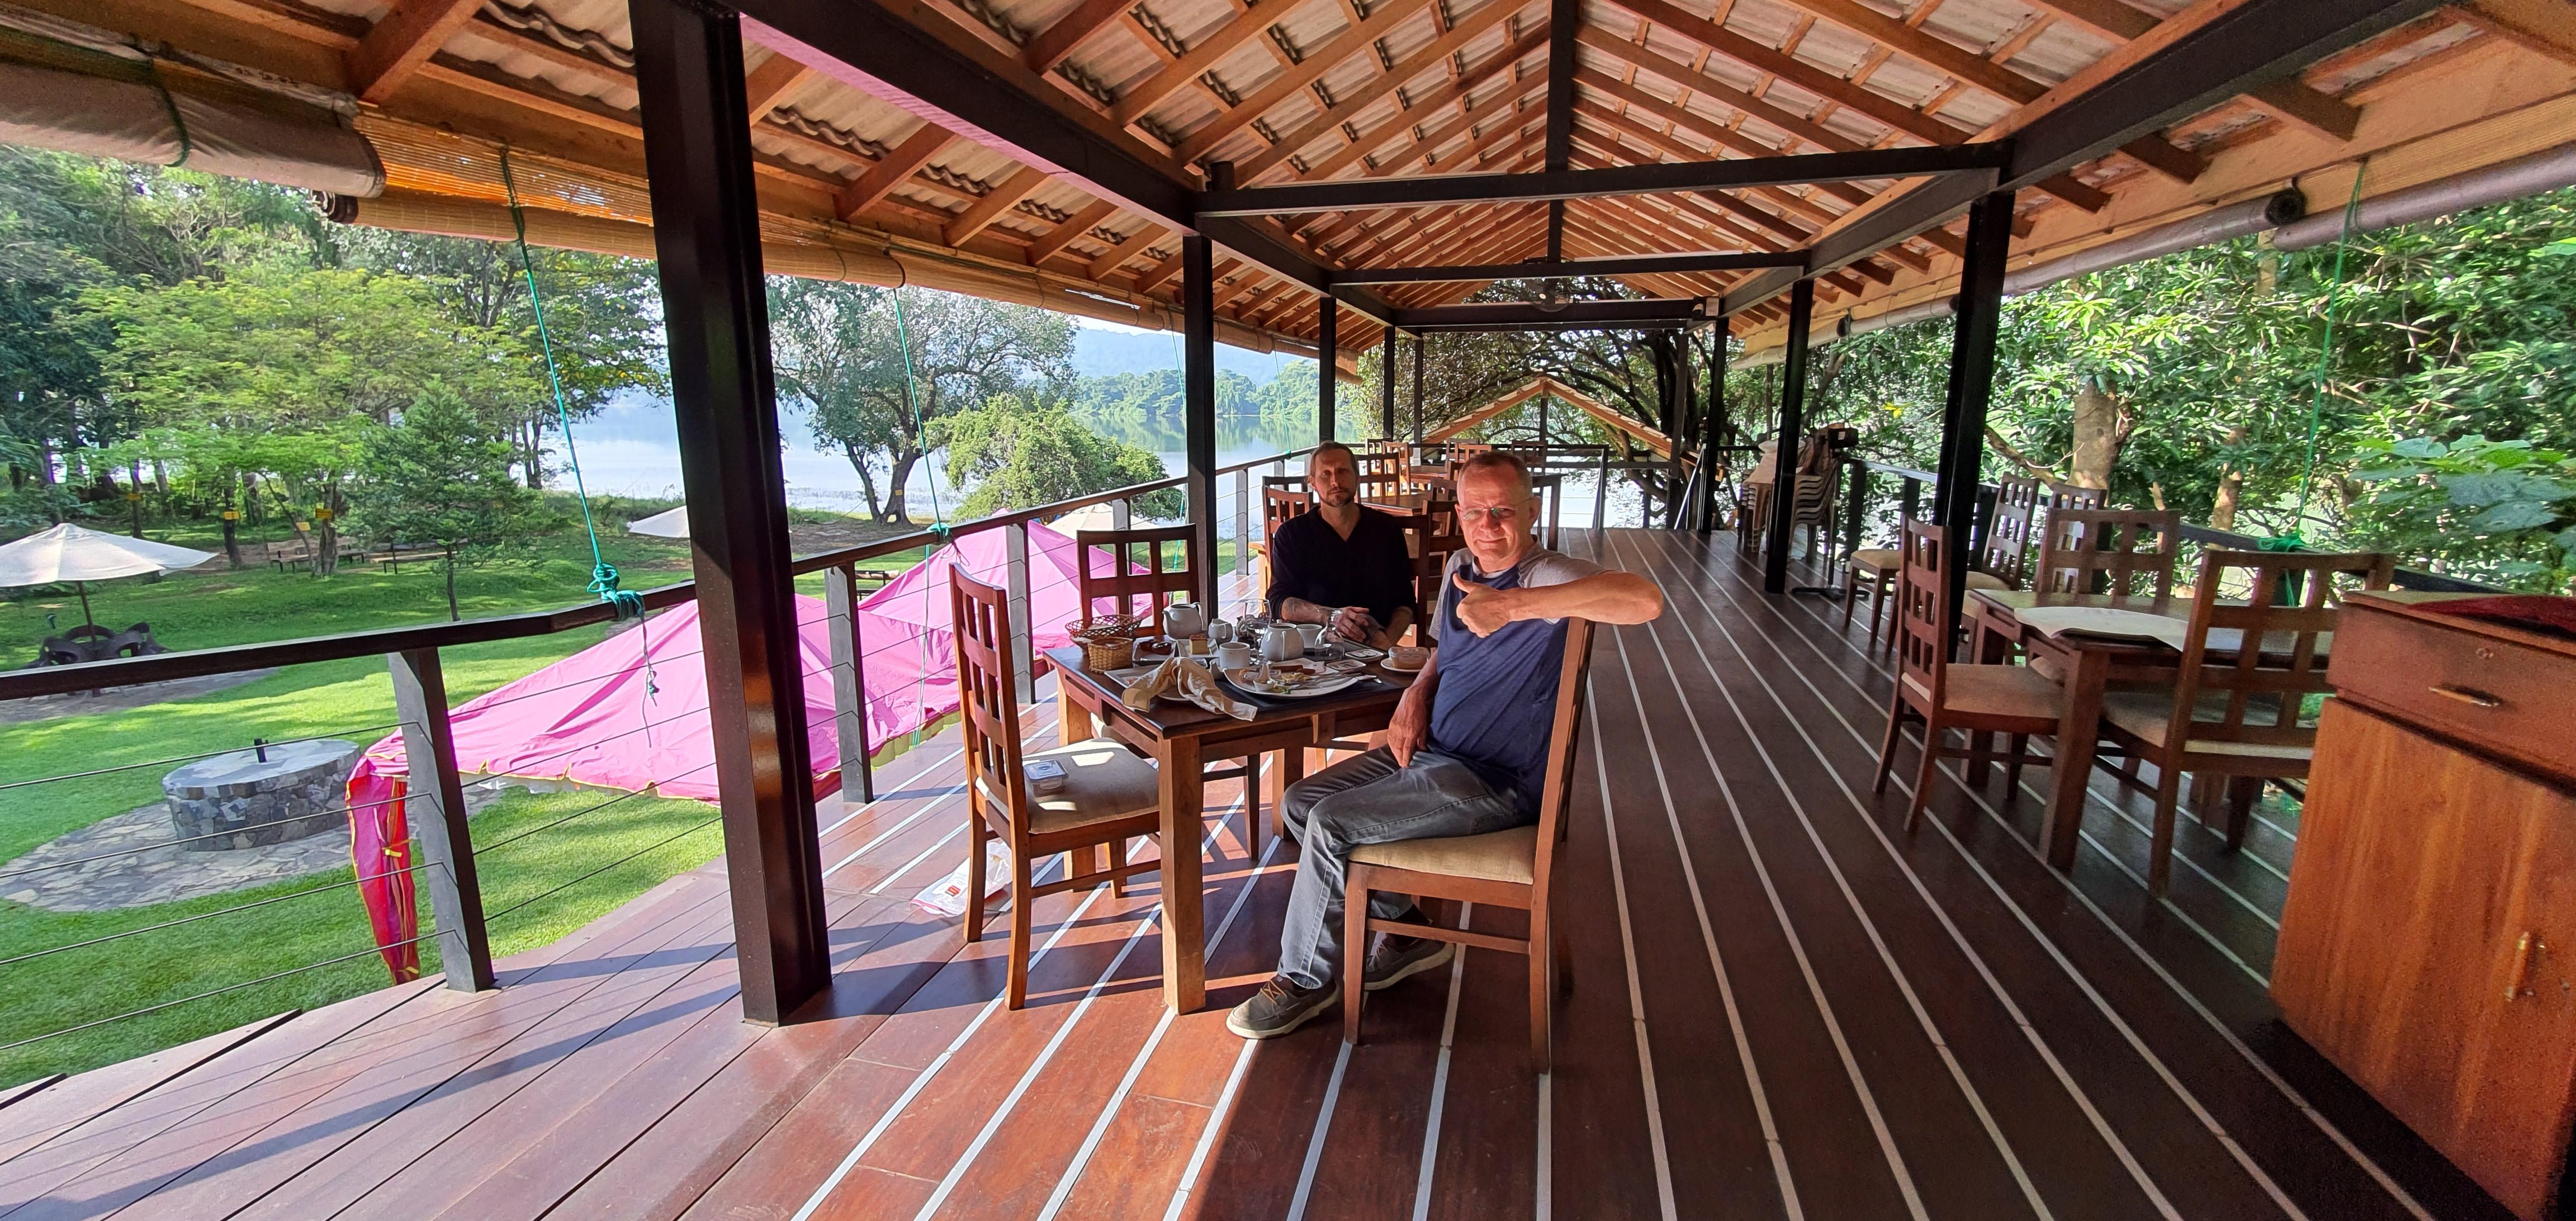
(1783, 1007)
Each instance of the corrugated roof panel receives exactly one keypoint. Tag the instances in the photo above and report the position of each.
(2061, 51)
(1976, 25)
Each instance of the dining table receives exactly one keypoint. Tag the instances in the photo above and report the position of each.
(1180, 737)
(2091, 663)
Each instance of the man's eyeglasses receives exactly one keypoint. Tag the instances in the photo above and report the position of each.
(1500, 516)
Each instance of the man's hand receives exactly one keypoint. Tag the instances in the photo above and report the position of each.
(1410, 727)
(1353, 623)
(1483, 608)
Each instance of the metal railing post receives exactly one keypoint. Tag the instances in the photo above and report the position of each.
(1015, 554)
(435, 803)
(1243, 539)
(849, 686)
(1601, 493)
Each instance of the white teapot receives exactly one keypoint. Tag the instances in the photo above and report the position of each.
(1182, 620)
(1282, 642)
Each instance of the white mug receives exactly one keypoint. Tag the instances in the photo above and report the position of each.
(1234, 655)
(1282, 643)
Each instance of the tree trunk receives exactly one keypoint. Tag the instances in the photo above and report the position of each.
(867, 479)
(894, 509)
(535, 461)
(2231, 487)
(2101, 426)
(452, 613)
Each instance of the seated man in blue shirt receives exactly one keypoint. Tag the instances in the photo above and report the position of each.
(1466, 750)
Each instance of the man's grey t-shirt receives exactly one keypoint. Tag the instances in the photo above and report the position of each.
(1496, 703)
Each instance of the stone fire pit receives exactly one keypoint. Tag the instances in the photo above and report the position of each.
(298, 791)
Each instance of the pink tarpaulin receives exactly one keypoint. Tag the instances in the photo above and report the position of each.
(630, 712)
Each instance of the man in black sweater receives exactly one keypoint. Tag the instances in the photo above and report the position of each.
(1342, 564)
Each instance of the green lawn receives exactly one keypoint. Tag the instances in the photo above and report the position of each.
(550, 862)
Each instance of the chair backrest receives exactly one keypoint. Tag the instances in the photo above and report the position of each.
(1557, 790)
(2007, 550)
(1282, 497)
(2069, 496)
(2127, 553)
(1122, 585)
(1434, 533)
(989, 718)
(2265, 649)
(1923, 611)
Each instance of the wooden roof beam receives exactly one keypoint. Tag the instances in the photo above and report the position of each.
(1833, 88)
(763, 87)
(1350, 104)
(1056, 41)
(398, 47)
(1065, 234)
(1353, 40)
(2288, 98)
(1005, 196)
(897, 167)
(1442, 131)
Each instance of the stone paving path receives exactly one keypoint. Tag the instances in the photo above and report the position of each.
(138, 873)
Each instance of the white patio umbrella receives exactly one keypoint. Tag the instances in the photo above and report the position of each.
(1088, 517)
(669, 523)
(69, 553)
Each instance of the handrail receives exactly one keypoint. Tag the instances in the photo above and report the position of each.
(232, 659)
(2402, 578)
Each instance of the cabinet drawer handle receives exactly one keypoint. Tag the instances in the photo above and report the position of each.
(2466, 695)
(2523, 952)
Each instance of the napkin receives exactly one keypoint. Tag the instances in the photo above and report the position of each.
(1184, 678)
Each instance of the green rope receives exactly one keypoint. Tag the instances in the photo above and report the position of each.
(2294, 540)
(603, 575)
(920, 431)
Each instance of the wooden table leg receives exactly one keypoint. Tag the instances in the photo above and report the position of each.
(1184, 925)
(1072, 718)
(2078, 734)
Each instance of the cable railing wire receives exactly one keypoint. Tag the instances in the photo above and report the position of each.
(223, 911)
(248, 983)
(179, 759)
(571, 882)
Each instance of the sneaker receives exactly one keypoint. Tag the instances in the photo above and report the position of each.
(1398, 958)
(1279, 1007)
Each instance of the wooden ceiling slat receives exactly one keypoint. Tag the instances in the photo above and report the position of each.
(1177, 75)
(1136, 244)
(1055, 42)
(1006, 195)
(1454, 91)
(1346, 105)
(764, 86)
(1353, 40)
(1705, 127)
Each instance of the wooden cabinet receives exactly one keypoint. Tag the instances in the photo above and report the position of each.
(2428, 946)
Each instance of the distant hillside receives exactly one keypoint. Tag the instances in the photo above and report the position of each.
(1099, 350)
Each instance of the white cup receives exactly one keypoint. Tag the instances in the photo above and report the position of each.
(1234, 655)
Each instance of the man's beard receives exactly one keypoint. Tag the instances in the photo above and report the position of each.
(1336, 500)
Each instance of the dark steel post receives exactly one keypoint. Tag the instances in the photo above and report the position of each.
(1328, 325)
(849, 686)
(1972, 380)
(1386, 388)
(1420, 350)
(1198, 400)
(1677, 429)
(435, 805)
(706, 225)
(1793, 428)
(1716, 410)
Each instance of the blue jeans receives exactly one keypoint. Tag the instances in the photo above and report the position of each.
(1370, 800)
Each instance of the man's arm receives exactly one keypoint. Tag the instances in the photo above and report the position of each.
(1605, 597)
(1410, 728)
(1394, 629)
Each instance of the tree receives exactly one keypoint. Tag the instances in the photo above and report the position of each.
(1020, 453)
(874, 367)
(276, 374)
(441, 474)
(603, 317)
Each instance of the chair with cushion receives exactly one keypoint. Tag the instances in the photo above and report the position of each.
(1982, 700)
(1109, 795)
(1514, 868)
(2238, 711)
(1136, 582)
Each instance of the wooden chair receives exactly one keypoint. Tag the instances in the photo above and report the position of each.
(1514, 868)
(1109, 796)
(1127, 589)
(2087, 551)
(1381, 475)
(2239, 707)
(1433, 536)
(2008, 535)
(2013, 700)
(1282, 497)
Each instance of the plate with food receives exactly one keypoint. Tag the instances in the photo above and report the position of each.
(1302, 679)
(1406, 659)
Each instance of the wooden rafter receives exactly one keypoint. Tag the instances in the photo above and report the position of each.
(899, 165)
(1353, 40)
(401, 44)
(1348, 105)
(1074, 227)
(765, 86)
(1006, 195)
